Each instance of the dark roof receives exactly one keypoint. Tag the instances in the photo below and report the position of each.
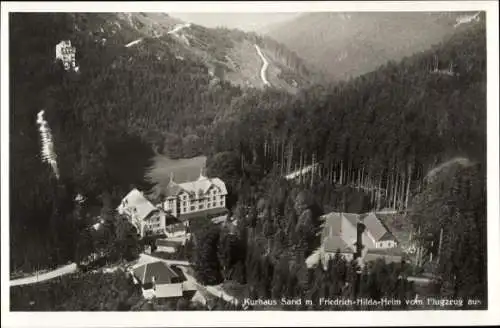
(171, 220)
(387, 258)
(206, 213)
(396, 251)
(160, 270)
(388, 255)
(172, 189)
(175, 227)
(166, 242)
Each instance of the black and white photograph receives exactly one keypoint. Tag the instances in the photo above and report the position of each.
(175, 160)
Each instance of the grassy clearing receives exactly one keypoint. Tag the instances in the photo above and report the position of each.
(184, 169)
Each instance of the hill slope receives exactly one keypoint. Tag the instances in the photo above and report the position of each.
(125, 101)
(229, 55)
(385, 128)
(109, 117)
(350, 44)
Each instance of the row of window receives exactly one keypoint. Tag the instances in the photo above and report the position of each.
(184, 203)
(201, 206)
(153, 230)
(68, 50)
(388, 244)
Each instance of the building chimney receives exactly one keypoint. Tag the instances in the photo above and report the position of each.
(360, 227)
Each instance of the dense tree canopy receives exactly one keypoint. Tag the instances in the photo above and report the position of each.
(373, 137)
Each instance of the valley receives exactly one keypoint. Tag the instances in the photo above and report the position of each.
(359, 43)
(293, 136)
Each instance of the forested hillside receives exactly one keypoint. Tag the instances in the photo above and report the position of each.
(106, 120)
(125, 103)
(352, 43)
(383, 130)
(450, 214)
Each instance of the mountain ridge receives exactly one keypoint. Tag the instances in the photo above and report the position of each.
(228, 54)
(353, 43)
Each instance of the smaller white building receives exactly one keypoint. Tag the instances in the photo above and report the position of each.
(340, 233)
(67, 54)
(158, 280)
(378, 233)
(147, 219)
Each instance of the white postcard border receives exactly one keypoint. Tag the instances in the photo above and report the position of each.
(264, 318)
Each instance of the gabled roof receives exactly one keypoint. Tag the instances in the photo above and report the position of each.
(388, 236)
(374, 226)
(339, 232)
(203, 184)
(340, 224)
(172, 189)
(162, 273)
(194, 188)
(137, 204)
(334, 243)
(352, 218)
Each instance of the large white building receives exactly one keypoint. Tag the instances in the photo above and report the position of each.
(178, 203)
(204, 195)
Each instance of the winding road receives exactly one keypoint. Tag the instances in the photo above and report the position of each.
(71, 268)
(265, 64)
(173, 31)
(300, 172)
(133, 43)
(67, 269)
(178, 28)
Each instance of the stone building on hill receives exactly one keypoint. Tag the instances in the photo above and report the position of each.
(66, 53)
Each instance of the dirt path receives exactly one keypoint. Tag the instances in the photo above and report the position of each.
(67, 269)
(265, 64)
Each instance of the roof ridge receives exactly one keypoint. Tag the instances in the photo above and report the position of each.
(145, 271)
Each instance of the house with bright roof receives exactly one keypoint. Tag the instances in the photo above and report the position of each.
(201, 197)
(340, 233)
(377, 232)
(158, 280)
(148, 219)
